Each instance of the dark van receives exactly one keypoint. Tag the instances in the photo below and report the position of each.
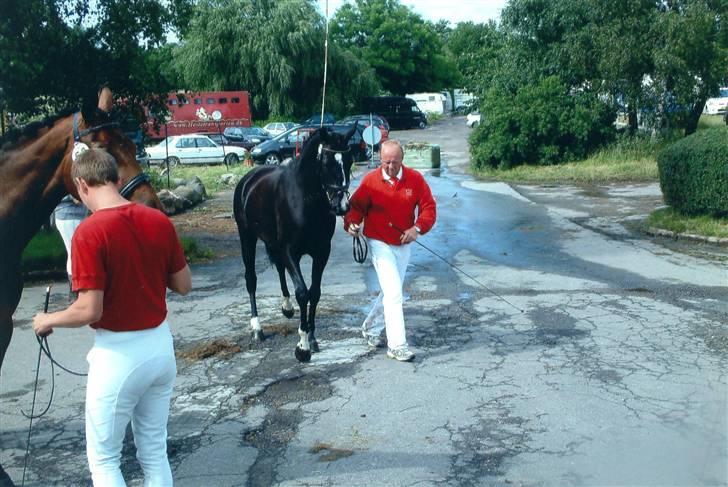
(400, 112)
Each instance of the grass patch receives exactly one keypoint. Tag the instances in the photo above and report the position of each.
(209, 175)
(193, 251)
(708, 121)
(44, 252)
(629, 159)
(672, 220)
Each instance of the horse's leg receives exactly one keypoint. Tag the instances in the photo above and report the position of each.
(247, 245)
(303, 349)
(286, 306)
(317, 270)
(10, 291)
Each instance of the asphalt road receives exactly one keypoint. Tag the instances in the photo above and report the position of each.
(585, 354)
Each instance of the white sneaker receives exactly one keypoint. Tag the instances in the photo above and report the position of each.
(372, 340)
(401, 354)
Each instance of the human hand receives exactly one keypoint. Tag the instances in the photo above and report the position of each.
(354, 230)
(41, 325)
(409, 235)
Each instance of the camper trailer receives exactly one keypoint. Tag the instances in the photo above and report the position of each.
(430, 102)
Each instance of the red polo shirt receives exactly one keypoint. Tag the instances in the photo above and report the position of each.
(385, 207)
(128, 252)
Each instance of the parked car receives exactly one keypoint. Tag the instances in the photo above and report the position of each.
(363, 121)
(400, 112)
(717, 105)
(289, 144)
(247, 137)
(220, 139)
(277, 128)
(194, 149)
(472, 119)
(329, 118)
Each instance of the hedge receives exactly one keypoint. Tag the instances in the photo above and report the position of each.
(694, 173)
(544, 123)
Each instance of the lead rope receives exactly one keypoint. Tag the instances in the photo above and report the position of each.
(360, 249)
(35, 390)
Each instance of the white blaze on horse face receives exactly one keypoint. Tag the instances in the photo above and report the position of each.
(255, 324)
(303, 342)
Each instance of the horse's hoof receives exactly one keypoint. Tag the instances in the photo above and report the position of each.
(258, 335)
(288, 313)
(314, 346)
(5, 480)
(303, 355)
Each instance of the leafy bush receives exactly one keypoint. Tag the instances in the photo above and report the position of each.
(44, 252)
(542, 124)
(694, 173)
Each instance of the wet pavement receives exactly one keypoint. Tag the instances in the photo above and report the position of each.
(576, 351)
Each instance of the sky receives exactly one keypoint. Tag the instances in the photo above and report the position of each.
(453, 11)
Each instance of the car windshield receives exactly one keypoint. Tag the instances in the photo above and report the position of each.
(723, 92)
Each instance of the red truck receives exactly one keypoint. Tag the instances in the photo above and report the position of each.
(203, 111)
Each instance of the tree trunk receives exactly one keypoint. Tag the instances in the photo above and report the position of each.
(691, 124)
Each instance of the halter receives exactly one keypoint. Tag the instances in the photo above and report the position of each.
(133, 183)
(77, 135)
(334, 190)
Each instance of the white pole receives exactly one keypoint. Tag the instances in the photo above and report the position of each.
(326, 63)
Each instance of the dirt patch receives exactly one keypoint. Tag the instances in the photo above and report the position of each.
(217, 348)
(332, 454)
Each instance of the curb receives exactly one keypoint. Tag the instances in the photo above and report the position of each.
(659, 232)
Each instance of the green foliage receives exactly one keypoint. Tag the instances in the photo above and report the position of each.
(193, 251)
(404, 50)
(542, 124)
(674, 221)
(53, 52)
(44, 252)
(275, 50)
(694, 173)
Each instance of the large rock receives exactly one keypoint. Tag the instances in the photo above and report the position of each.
(183, 197)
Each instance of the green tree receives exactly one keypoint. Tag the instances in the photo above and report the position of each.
(404, 50)
(275, 50)
(692, 58)
(52, 52)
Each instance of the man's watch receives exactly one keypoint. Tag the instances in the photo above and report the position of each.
(417, 229)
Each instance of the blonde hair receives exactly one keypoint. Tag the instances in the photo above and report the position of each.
(95, 166)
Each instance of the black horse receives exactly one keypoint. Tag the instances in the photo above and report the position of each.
(293, 209)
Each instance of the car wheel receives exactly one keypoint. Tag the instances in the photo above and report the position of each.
(273, 159)
(172, 161)
(231, 159)
(475, 125)
(423, 125)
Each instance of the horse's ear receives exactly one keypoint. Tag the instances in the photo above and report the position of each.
(351, 132)
(106, 100)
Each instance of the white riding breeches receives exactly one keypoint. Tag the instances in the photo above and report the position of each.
(66, 229)
(390, 262)
(130, 378)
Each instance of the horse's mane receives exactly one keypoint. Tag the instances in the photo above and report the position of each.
(310, 148)
(28, 131)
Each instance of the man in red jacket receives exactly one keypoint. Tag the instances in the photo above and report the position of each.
(395, 205)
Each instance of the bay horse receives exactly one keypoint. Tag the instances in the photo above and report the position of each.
(35, 173)
(293, 210)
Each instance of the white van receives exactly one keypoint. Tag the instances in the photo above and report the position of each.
(430, 102)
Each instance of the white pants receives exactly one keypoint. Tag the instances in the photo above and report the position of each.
(66, 229)
(390, 262)
(130, 378)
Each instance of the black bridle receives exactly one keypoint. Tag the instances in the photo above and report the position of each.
(133, 183)
(334, 190)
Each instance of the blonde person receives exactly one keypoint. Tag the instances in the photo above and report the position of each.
(68, 215)
(395, 205)
(124, 257)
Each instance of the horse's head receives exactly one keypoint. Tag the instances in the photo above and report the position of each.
(335, 157)
(95, 127)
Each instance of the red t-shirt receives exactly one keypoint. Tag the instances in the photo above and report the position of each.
(128, 252)
(386, 208)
